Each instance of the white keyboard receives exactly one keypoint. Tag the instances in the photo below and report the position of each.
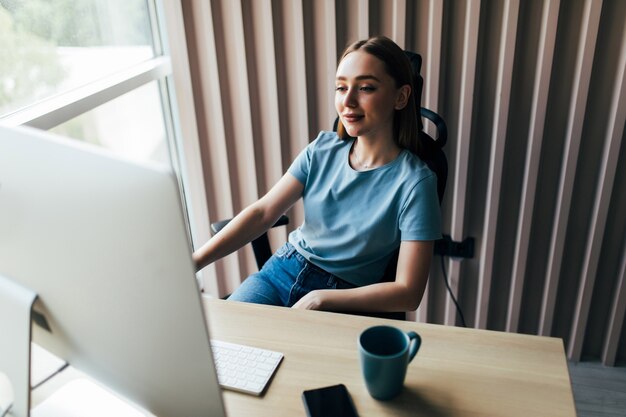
(244, 368)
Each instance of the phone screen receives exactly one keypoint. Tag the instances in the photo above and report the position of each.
(333, 401)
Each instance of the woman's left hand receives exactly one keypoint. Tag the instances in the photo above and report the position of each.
(311, 301)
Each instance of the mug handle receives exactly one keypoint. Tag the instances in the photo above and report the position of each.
(415, 341)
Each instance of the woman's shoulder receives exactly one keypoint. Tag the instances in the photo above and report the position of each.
(413, 168)
(327, 140)
(326, 136)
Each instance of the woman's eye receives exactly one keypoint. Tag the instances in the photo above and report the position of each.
(367, 88)
(340, 88)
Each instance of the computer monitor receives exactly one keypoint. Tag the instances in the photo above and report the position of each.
(103, 243)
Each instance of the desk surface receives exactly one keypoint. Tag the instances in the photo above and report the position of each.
(457, 372)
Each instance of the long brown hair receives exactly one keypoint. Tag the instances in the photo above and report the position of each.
(397, 65)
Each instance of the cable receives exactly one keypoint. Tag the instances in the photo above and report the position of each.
(40, 383)
(445, 279)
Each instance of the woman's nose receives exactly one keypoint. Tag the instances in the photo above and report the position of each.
(349, 99)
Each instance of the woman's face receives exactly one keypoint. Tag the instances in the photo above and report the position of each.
(366, 97)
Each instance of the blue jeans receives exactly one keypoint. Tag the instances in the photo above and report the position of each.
(285, 278)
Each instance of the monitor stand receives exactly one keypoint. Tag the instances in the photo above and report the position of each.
(16, 305)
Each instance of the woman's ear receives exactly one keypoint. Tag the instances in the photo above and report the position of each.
(404, 93)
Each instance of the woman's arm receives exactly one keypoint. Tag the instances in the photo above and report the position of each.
(404, 294)
(253, 221)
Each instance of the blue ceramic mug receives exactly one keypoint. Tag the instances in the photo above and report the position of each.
(385, 354)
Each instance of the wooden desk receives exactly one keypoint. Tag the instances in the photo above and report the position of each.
(457, 372)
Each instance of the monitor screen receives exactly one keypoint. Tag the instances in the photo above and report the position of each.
(103, 243)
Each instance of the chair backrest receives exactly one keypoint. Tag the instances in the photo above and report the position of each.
(434, 156)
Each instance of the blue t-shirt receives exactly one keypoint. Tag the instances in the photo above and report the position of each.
(355, 220)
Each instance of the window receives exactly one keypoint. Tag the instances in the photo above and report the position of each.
(121, 125)
(87, 69)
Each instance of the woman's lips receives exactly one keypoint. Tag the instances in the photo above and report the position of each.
(352, 118)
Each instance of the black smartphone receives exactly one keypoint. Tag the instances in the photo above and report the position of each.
(333, 401)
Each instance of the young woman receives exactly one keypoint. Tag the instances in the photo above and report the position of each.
(366, 193)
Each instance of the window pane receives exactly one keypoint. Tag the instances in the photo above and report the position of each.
(131, 125)
(49, 46)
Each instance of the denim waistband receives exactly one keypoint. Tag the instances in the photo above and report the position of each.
(292, 251)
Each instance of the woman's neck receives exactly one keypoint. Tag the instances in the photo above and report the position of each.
(368, 153)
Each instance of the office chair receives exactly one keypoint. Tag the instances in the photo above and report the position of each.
(434, 157)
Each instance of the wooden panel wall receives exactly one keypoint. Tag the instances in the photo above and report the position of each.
(534, 96)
